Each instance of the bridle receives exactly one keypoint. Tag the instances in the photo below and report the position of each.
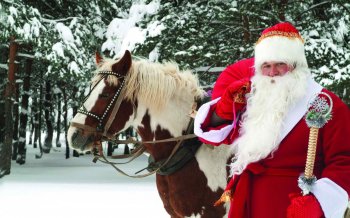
(102, 130)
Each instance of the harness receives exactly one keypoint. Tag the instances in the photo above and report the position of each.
(182, 156)
(182, 153)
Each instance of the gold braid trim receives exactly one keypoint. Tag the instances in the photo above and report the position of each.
(280, 33)
(311, 152)
(240, 95)
(225, 197)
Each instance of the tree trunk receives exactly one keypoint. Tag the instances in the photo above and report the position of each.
(6, 148)
(24, 113)
(65, 120)
(320, 11)
(58, 124)
(75, 110)
(39, 122)
(36, 128)
(48, 118)
(3, 74)
(281, 9)
(31, 130)
(246, 31)
(109, 149)
(15, 124)
(128, 134)
(2, 118)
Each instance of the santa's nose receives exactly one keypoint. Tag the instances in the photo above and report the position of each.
(274, 71)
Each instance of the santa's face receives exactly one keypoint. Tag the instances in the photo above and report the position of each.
(272, 68)
(261, 124)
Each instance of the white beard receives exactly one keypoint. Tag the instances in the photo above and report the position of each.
(262, 122)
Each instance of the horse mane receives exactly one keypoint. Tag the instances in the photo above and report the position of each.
(155, 82)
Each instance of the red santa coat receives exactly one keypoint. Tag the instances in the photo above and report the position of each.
(274, 178)
(262, 189)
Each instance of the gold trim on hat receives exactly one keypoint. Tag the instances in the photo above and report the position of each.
(280, 33)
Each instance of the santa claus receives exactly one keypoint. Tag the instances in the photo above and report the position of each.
(258, 109)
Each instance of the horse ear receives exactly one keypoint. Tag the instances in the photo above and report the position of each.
(123, 65)
(98, 58)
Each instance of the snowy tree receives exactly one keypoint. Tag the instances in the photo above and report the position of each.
(327, 35)
(218, 33)
(62, 37)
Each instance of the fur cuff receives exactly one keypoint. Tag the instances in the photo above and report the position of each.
(333, 198)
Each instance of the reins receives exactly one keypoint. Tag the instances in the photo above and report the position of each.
(99, 156)
(132, 141)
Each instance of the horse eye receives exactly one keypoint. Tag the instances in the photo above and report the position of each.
(103, 95)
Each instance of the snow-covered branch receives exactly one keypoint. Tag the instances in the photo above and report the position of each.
(60, 20)
(4, 66)
(30, 56)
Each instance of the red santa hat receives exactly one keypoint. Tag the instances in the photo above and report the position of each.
(280, 43)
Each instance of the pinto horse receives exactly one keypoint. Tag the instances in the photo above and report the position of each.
(156, 100)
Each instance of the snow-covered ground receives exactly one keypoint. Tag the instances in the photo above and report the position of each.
(55, 187)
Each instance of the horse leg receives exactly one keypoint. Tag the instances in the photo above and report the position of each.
(214, 212)
(163, 190)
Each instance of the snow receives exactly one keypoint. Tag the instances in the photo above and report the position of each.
(58, 49)
(155, 28)
(13, 11)
(154, 55)
(123, 34)
(73, 67)
(342, 30)
(65, 32)
(56, 187)
(4, 66)
(10, 21)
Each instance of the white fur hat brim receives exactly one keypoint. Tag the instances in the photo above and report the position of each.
(280, 49)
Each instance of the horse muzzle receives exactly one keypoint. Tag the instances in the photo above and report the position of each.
(80, 141)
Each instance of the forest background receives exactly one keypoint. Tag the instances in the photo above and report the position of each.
(47, 51)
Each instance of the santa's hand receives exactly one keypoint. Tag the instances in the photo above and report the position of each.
(304, 207)
(233, 99)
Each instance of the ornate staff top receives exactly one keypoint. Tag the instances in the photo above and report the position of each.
(319, 112)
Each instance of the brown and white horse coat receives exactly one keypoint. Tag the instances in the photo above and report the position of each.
(157, 101)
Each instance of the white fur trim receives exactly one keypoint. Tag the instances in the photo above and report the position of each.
(292, 118)
(277, 48)
(215, 136)
(298, 111)
(332, 198)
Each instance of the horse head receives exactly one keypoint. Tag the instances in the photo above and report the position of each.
(105, 103)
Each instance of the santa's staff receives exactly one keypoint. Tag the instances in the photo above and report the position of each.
(318, 115)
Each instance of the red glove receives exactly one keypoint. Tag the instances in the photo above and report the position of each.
(304, 207)
(233, 99)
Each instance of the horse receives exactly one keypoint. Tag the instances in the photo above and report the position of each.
(155, 99)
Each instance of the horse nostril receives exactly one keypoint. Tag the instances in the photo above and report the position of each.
(79, 141)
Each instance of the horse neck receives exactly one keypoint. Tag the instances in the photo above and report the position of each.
(159, 151)
(168, 123)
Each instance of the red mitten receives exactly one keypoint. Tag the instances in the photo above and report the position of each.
(233, 99)
(304, 206)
